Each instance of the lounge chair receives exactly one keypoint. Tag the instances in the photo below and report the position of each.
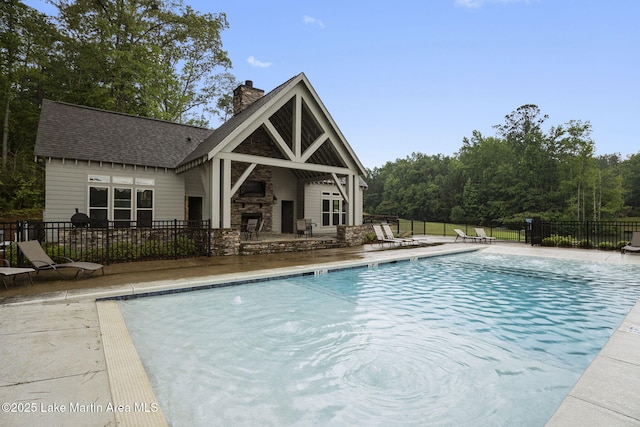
(389, 233)
(462, 235)
(382, 238)
(8, 271)
(41, 261)
(483, 235)
(634, 244)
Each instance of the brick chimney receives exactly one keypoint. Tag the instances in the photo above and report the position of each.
(245, 95)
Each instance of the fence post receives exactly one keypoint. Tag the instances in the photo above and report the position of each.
(107, 256)
(175, 238)
(208, 222)
(20, 258)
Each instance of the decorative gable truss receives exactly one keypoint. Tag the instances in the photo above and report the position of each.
(301, 136)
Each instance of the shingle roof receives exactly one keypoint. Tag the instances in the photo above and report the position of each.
(74, 132)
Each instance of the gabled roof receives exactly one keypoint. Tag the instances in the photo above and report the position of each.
(227, 132)
(233, 123)
(70, 131)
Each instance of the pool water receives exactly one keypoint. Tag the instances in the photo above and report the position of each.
(470, 339)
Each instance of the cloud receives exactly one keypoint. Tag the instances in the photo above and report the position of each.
(310, 21)
(258, 64)
(471, 4)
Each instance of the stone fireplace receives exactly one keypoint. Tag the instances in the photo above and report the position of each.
(254, 200)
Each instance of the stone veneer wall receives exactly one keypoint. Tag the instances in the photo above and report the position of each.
(293, 245)
(225, 241)
(228, 242)
(258, 144)
(354, 235)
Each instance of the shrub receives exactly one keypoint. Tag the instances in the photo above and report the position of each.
(585, 244)
(555, 240)
(565, 242)
(606, 246)
(121, 251)
(369, 238)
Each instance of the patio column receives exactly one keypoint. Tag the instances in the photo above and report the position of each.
(357, 200)
(350, 200)
(214, 199)
(221, 193)
(225, 193)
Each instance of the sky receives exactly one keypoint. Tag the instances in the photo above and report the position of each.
(420, 75)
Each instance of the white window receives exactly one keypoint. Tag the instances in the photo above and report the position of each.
(99, 178)
(144, 207)
(99, 203)
(333, 211)
(122, 205)
(113, 201)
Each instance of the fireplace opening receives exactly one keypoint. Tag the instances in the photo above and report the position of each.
(247, 216)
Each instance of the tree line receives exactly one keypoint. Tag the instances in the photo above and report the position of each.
(152, 58)
(521, 172)
(161, 59)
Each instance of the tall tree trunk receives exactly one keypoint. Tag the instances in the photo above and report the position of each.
(5, 129)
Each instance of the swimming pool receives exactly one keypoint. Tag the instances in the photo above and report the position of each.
(470, 339)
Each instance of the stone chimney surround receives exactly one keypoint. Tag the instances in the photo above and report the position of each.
(245, 95)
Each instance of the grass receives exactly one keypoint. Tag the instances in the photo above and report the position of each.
(446, 229)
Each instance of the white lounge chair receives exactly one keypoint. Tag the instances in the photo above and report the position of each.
(382, 238)
(389, 233)
(462, 235)
(634, 244)
(41, 261)
(483, 235)
(14, 272)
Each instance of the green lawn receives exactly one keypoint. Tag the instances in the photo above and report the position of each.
(446, 229)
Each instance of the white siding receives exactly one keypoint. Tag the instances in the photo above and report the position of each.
(313, 204)
(67, 188)
(196, 182)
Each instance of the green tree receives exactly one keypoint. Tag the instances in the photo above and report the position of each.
(146, 57)
(630, 172)
(27, 45)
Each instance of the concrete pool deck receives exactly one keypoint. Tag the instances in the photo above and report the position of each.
(58, 354)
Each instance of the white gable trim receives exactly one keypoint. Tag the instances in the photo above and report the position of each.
(300, 90)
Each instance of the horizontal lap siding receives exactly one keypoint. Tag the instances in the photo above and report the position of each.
(313, 205)
(67, 187)
(65, 190)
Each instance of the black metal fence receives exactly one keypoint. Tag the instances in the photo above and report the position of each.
(110, 242)
(581, 234)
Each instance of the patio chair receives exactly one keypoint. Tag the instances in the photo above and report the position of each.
(382, 238)
(13, 273)
(462, 235)
(41, 261)
(251, 229)
(634, 244)
(301, 227)
(483, 235)
(389, 233)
